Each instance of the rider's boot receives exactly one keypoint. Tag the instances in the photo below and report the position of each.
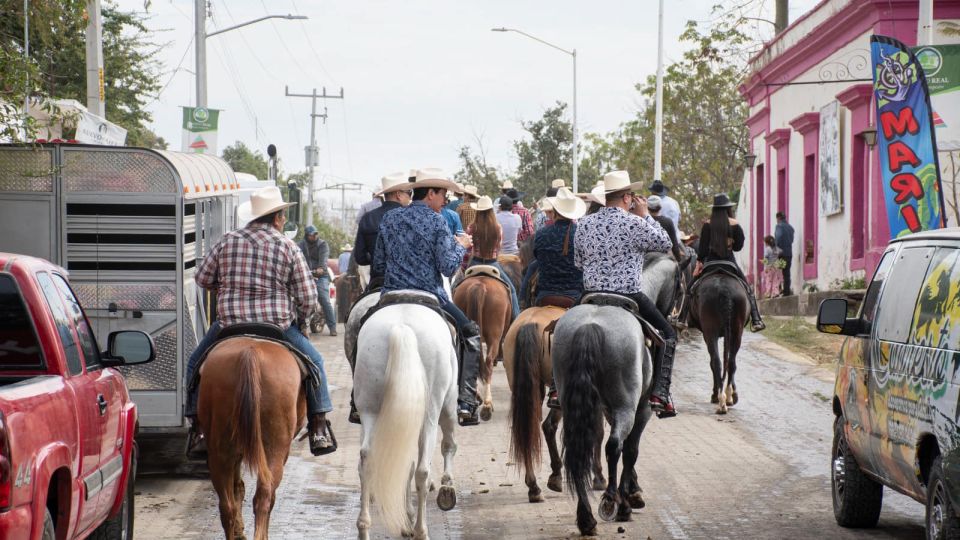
(322, 439)
(196, 443)
(660, 400)
(470, 351)
(354, 415)
(756, 323)
(553, 399)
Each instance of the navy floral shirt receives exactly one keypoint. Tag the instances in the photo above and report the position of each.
(609, 248)
(414, 248)
(558, 273)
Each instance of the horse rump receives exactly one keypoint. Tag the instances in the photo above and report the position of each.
(526, 399)
(581, 402)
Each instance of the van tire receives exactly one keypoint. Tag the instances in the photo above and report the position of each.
(941, 519)
(120, 526)
(49, 531)
(857, 498)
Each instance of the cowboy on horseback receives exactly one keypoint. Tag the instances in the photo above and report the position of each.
(396, 193)
(260, 276)
(414, 250)
(488, 240)
(609, 247)
(719, 239)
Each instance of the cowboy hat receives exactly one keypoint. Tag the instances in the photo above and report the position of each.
(544, 205)
(484, 203)
(618, 181)
(507, 184)
(722, 201)
(397, 181)
(567, 204)
(594, 195)
(658, 187)
(471, 190)
(347, 247)
(654, 202)
(514, 194)
(433, 178)
(262, 202)
(459, 188)
(558, 183)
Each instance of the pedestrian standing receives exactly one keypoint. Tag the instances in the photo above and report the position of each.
(526, 220)
(343, 262)
(784, 240)
(772, 278)
(671, 208)
(316, 251)
(511, 225)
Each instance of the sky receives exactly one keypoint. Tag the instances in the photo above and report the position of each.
(421, 77)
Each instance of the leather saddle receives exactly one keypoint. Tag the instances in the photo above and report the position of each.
(624, 302)
(724, 267)
(484, 270)
(309, 372)
(562, 302)
(411, 296)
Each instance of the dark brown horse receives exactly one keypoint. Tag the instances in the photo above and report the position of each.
(251, 405)
(719, 308)
(486, 301)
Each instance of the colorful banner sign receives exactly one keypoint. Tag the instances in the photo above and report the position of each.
(200, 130)
(905, 136)
(941, 66)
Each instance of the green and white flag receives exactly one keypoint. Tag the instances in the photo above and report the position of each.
(200, 130)
(941, 65)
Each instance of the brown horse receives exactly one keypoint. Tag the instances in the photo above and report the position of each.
(251, 405)
(486, 301)
(526, 357)
(719, 308)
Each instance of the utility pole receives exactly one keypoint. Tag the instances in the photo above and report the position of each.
(658, 128)
(925, 23)
(95, 94)
(312, 152)
(344, 187)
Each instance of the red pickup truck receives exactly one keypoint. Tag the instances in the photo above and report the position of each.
(67, 424)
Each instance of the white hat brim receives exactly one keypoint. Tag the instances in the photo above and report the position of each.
(632, 187)
(577, 212)
(246, 210)
(436, 183)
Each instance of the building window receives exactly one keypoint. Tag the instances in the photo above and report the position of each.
(858, 196)
(810, 213)
(782, 190)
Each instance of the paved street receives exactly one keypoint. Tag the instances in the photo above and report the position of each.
(759, 472)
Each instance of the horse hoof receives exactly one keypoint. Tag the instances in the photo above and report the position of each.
(635, 500)
(607, 508)
(623, 513)
(714, 399)
(555, 483)
(447, 498)
(735, 398)
(486, 413)
(535, 497)
(433, 487)
(599, 483)
(722, 410)
(406, 533)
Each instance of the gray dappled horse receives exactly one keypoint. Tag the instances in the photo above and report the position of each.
(602, 366)
(719, 308)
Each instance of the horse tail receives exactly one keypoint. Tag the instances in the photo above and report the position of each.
(247, 432)
(728, 316)
(395, 439)
(525, 403)
(581, 401)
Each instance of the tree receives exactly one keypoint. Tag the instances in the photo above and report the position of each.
(548, 152)
(57, 65)
(474, 170)
(242, 159)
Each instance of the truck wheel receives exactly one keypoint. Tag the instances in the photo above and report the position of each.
(942, 522)
(857, 498)
(49, 532)
(120, 526)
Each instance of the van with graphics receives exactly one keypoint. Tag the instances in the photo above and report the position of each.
(896, 392)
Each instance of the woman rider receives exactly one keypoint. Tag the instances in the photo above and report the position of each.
(487, 237)
(719, 239)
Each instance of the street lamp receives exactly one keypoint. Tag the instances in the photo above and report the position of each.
(576, 132)
(201, 35)
(869, 136)
(750, 160)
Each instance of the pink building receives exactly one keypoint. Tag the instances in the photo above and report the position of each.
(811, 103)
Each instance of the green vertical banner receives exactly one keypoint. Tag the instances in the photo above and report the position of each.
(941, 67)
(200, 130)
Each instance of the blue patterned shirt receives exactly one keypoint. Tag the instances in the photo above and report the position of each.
(609, 248)
(558, 273)
(414, 249)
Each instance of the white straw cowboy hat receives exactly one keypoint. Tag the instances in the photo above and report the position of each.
(654, 202)
(262, 202)
(397, 181)
(433, 178)
(459, 188)
(567, 204)
(471, 190)
(558, 183)
(485, 203)
(544, 205)
(507, 184)
(347, 247)
(615, 181)
(596, 194)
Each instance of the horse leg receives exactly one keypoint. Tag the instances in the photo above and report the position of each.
(428, 441)
(599, 482)
(239, 493)
(585, 520)
(223, 476)
(717, 368)
(363, 520)
(486, 373)
(611, 498)
(447, 496)
(550, 423)
(629, 486)
(731, 352)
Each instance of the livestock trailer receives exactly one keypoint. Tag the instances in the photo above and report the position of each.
(130, 225)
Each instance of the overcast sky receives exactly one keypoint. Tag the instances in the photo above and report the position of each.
(421, 78)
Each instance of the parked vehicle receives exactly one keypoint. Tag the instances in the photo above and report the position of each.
(896, 393)
(68, 458)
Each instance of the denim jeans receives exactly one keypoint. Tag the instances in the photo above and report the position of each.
(323, 293)
(317, 402)
(456, 313)
(514, 302)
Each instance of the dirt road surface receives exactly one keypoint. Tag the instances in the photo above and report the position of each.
(761, 471)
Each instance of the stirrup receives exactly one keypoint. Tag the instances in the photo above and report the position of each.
(553, 401)
(320, 445)
(468, 416)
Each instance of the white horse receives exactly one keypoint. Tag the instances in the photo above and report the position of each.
(405, 384)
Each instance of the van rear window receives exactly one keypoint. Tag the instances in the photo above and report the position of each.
(19, 346)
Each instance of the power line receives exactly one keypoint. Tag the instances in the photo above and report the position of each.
(173, 73)
(253, 52)
(316, 55)
(284, 43)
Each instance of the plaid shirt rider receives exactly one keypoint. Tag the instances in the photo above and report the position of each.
(260, 276)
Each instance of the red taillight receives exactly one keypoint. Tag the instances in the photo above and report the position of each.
(6, 466)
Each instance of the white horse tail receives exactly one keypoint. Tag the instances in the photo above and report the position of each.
(395, 439)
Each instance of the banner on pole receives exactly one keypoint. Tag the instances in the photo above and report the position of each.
(95, 130)
(905, 137)
(941, 67)
(200, 130)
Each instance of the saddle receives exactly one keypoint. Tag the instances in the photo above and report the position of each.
(718, 267)
(562, 302)
(624, 302)
(484, 270)
(411, 296)
(310, 373)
